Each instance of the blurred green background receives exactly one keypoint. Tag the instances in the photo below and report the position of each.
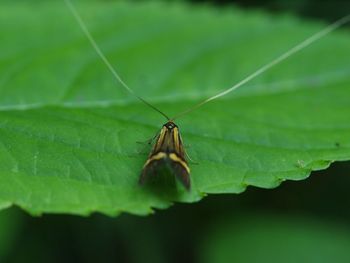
(307, 221)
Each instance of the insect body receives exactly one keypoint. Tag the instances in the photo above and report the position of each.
(168, 151)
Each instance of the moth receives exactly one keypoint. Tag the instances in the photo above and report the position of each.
(168, 149)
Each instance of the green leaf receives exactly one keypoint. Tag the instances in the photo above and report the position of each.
(69, 132)
(258, 237)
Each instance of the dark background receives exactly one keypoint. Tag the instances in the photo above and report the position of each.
(322, 9)
(175, 234)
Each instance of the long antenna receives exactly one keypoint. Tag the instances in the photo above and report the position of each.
(104, 59)
(274, 62)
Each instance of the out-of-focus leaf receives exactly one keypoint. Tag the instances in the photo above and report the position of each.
(276, 239)
(9, 226)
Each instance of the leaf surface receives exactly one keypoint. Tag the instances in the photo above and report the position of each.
(69, 133)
